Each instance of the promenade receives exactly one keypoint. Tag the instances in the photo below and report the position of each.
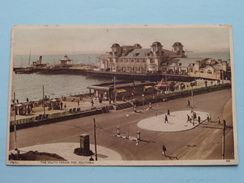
(85, 103)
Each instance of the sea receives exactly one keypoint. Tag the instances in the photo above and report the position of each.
(57, 85)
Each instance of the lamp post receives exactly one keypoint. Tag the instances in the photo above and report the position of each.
(127, 116)
(95, 138)
(192, 84)
(115, 92)
(142, 99)
(43, 99)
(223, 140)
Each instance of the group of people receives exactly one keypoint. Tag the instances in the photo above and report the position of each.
(193, 117)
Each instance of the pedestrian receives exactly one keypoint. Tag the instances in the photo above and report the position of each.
(188, 118)
(199, 119)
(224, 124)
(168, 112)
(189, 103)
(166, 119)
(208, 117)
(194, 115)
(164, 149)
(150, 106)
(27, 99)
(61, 105)
(218, 121)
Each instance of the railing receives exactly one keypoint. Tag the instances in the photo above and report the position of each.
(54, 117)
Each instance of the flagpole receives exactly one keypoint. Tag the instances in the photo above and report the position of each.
(43, 99)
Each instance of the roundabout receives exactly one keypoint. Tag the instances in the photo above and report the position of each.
(177, 121)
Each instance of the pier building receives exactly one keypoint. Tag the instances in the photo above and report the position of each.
(157, 60)
(66, 61)
(135, 59)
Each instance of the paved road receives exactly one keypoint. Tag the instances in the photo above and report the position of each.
(203, 142)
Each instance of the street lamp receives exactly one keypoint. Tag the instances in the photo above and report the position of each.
(127, 116)
(223, 140)
(192, 108)
(115, 92)
(43, 99)
(142, 99)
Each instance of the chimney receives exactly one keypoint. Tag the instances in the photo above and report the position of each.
(40, 60)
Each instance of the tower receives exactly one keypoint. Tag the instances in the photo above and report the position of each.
(178, 48)
(155, 57)
(116, 52)
(156, 48)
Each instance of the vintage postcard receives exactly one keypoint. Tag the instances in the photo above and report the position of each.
(133, 95)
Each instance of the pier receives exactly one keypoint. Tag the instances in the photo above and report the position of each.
(104, 74)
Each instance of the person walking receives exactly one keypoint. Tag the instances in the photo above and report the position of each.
(166, 119)
(150, 106)
(218, 121)
(188, 103)
(199, 119)
(168, 112)
(188, 118)
(164, 149)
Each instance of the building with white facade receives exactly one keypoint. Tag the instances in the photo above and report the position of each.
(137, 60)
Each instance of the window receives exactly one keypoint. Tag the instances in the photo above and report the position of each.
(209, 72)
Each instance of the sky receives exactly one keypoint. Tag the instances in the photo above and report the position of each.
(99, 39)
